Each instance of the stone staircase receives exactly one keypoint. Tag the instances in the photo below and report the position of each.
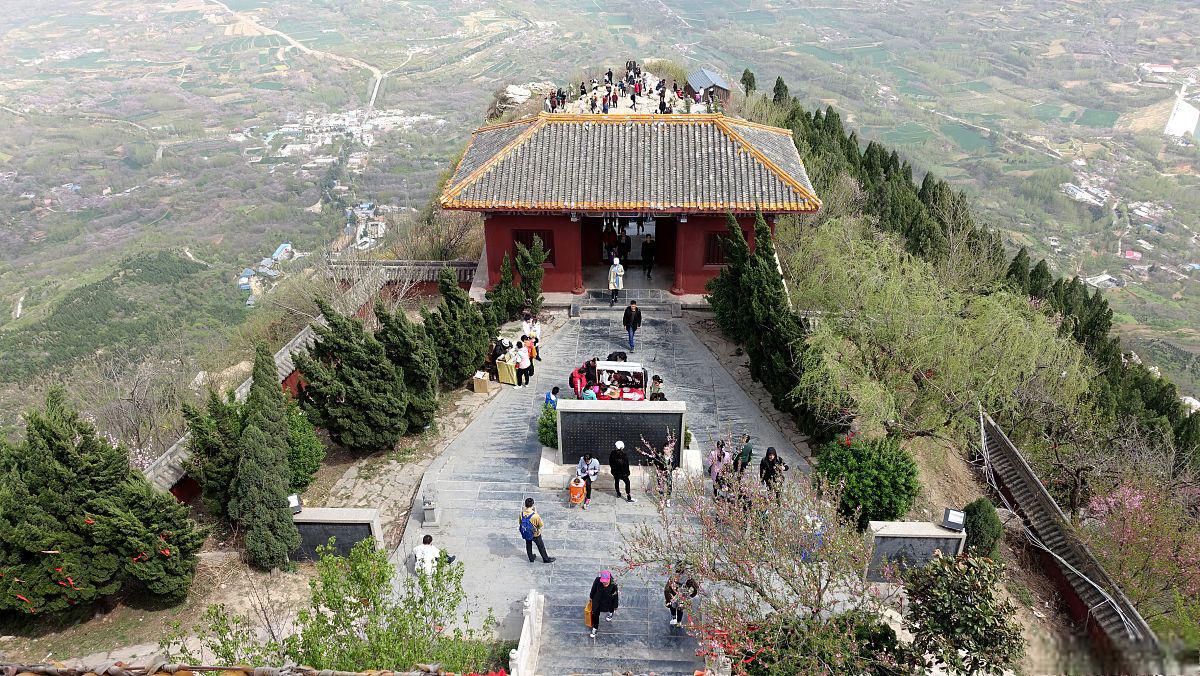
(650, 301)
(639, 640)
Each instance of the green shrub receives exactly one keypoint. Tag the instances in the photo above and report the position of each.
(506, 298)
(548, 426)
(984, 530)
(879, 478)
(956, 617)
(305, 450)
(529, 264)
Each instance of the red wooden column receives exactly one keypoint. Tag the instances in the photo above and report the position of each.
(681, 231)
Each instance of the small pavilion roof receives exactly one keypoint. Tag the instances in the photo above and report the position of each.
(705, 78)
(676, 163)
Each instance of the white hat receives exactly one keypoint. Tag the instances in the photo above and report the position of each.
(616, 261)
(620, 444)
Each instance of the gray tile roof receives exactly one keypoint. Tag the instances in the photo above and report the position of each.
(667, 163)
(704, 78)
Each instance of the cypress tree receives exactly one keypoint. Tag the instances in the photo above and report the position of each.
(77, 523)
(260, 488)
(458, 332)
(781, 92)
(748, 82)
(352, 389)
(507, 300)
(409, 348)
(214, 449)
(727, 291)
(529, 264)
(1018, 272)
(1040, 280)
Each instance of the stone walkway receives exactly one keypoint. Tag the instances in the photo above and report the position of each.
(485, 474)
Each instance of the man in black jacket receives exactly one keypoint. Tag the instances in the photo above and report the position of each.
(633, 321)
(618, 464)
(649, 250)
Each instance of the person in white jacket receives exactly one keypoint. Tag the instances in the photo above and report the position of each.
(616, 280)
(427, 556)
(588, 470)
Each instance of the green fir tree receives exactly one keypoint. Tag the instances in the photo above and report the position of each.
(1018, 272)
(78, 523)
(780, 93)
(1040, 280)
(458, 332)
(529, 265)
(748, 82)
(409, 348)
(727, 291)
(305, 449)
(261, 485)
(506, 298)
(352, 390)
(214, 432)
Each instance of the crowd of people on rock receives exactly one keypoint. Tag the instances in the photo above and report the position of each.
(636, 90)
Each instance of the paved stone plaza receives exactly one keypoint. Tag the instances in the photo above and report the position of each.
(483, 477)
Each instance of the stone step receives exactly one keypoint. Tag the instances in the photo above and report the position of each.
(674, 310)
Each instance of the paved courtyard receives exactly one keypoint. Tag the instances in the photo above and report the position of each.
(483, 477)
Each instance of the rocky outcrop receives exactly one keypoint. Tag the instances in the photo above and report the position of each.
(514, 96)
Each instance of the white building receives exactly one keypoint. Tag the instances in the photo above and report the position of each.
(1184, 118)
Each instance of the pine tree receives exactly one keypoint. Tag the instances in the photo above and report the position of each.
(1018, 272)
(529, 264)
(77, 523)
(506, 298)
(352, 390)
(261, 485)
(409, 348)
(458, 332)
(214, 450)
(1040, 280)
(748, 82)
(727, 291)
(305, 450)
(781, 95)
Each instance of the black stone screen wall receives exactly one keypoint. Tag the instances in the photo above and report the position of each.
(597, 432)
(906, 552)
(316, 534)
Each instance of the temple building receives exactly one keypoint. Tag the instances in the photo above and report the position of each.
(569, 178)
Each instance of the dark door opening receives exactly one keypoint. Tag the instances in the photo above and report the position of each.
(599, 237)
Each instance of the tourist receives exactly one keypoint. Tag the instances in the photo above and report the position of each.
(589, 394)
(618, 464)
(679, 588)
(624, 245)
(718, 462)
(552, 397)
(532, 327)
(531, 345)
(578, 382)
(523, 365)
(582, 89)
(632, 321)
(603, 599)
(664, 469)
(593, 104)
(427, 556)
(588, 469)
(605, 105)
(531, 524)
(656, 390)
(616, 280)
(649, 251)
(589, 371)
(771, 469)
(608, 76)
(744, 456)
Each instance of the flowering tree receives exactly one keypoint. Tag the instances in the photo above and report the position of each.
(1151, 547)
(784, 565)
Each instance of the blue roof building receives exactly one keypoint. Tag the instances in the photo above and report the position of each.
(705, 79)
(282, 250)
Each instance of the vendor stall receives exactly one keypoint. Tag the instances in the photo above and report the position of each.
(621, 380)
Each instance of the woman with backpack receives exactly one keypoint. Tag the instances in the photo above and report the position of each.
(771, 469)
(603, 599)
(678, 590)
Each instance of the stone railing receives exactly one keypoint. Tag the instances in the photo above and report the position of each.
(522, 660)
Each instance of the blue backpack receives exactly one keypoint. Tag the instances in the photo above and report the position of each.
(527, 526)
